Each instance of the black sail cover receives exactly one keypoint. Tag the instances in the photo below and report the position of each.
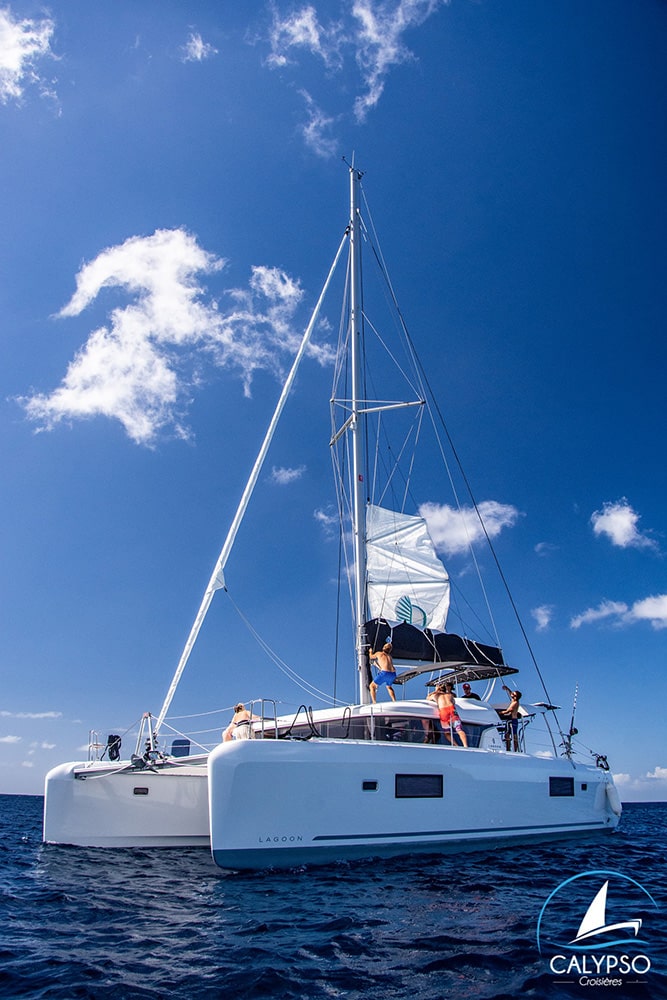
(412, 643)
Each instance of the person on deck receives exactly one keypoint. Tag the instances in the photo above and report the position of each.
(239, 728)
(511, 713)
(469, 693)
(449, 717)
(387, 672)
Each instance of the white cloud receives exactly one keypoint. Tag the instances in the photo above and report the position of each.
(651, 609)
(315, 129)
(328, 520)
(283, 476)
(31, 715)
(380, 42)
(370, 30)
(619, 522)
(651, 786)
(27, 763)
(196, 49)
(542, 616)
(10, 739)
(454, 531)
(302, 30)
(607, 609)
(545, 548)
(22, 44)
(141, 367)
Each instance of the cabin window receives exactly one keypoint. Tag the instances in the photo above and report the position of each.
(343, 729)
(369, 786)
(584, 787)
(141, 790)
(561, 787)
(418, 786)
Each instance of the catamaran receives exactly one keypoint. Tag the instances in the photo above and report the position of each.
(364, 779)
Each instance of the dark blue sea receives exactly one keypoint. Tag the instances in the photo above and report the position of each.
(156, 924)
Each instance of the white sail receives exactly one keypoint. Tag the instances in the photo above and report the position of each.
(406, 580)
(594, 924)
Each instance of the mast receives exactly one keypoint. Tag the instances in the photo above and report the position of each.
(357, 433)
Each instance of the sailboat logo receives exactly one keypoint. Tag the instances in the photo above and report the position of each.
(594, 923)
(411, 613)
(603, 928)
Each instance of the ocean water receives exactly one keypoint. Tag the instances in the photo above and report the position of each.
(157, 924)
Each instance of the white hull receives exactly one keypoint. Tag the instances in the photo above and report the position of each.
(100, 805)
(284, 803)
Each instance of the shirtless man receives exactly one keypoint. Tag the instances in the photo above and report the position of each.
(449, 718)
(511, 713)
(387, 674)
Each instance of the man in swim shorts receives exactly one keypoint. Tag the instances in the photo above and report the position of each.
(387, 674)
(449, 718)
(511, 713)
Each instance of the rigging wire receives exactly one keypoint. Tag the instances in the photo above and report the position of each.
(423, 376)
(280, 663)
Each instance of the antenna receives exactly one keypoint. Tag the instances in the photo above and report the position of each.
(567, 740)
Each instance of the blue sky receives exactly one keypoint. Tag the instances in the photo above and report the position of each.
(171, 196)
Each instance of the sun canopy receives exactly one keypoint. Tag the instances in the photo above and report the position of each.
(412, 643)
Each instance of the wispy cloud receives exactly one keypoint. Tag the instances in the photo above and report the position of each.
(23, 43)
(31, 715)
(370, 33)
(196, 49)
(545, 548)
(316, 129)
(328, 520)
(283, 476)
(454, 530)
(10, 739)
(380, 43)
(301, 29)
(650, 609)
(141, 368)
(543, 616)
(618, 522)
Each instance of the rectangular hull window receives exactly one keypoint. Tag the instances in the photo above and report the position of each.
(561, 787)
(418, 786)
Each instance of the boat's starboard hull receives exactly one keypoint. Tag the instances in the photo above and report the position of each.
(282, 803)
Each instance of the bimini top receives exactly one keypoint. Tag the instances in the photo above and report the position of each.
(412, 643)
(460, 658)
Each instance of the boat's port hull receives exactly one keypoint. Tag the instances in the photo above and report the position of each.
(106, 807)
(282, 803)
